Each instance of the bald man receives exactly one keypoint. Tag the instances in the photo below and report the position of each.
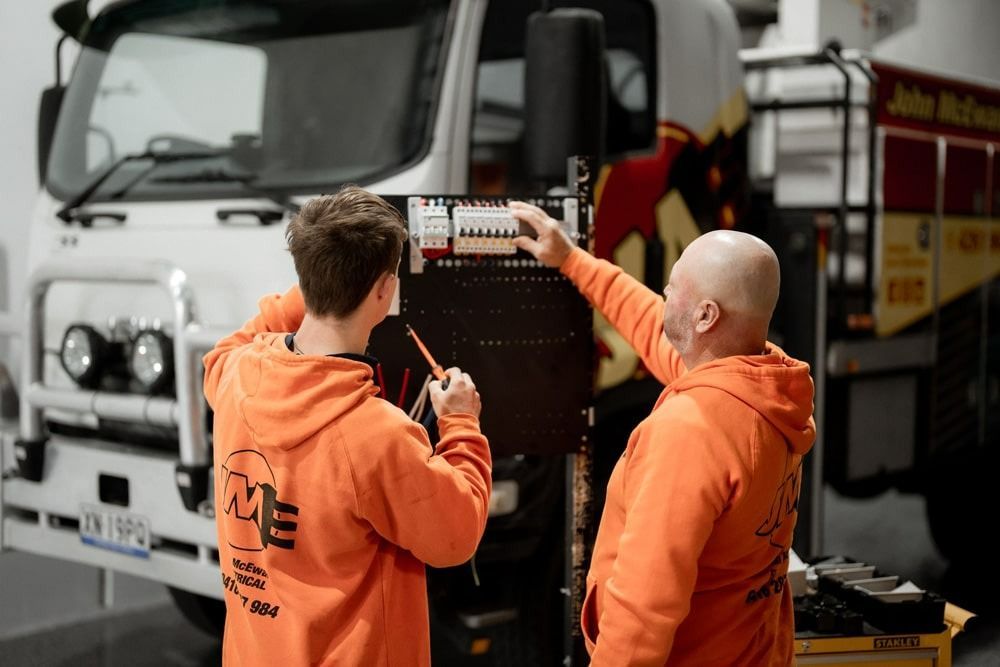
(691, 557)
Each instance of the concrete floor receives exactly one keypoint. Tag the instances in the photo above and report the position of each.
(888, 530)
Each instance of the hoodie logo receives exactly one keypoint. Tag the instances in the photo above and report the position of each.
(254, 517)
(785, 504)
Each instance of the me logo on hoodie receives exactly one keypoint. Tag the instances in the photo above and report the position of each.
(253, 514)
(785, 504)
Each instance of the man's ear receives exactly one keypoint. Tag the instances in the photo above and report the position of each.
(385, 285)
(706, 316)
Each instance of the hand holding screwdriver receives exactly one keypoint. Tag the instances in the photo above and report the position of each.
(436, 369)
(455, 394)
(453, 391)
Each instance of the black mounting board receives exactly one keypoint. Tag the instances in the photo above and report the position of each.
(521, 330)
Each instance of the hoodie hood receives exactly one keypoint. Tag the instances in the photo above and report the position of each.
(285, 398)
(778, 387)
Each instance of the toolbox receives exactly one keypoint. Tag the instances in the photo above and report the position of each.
(851, 613)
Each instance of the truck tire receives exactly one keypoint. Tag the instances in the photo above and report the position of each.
(205, 613)
(960, 495)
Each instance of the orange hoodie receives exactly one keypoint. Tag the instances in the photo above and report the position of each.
(691, 555)
(329, 501)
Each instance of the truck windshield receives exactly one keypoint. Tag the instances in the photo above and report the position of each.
(289, 96)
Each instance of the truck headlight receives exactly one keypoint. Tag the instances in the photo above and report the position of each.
(83, 353)
(152, 360)
(503, 498)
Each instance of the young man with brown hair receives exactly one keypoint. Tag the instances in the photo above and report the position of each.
(329, 501)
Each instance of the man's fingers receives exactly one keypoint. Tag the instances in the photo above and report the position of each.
(529, 245)
(454, 375)
(524, 206)
(535, 218)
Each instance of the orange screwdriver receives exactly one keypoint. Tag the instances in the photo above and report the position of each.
(436, 369)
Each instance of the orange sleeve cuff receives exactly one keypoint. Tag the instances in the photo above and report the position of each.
(577, 256)
(457, 422)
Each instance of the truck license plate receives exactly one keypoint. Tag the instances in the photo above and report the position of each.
(116, 530)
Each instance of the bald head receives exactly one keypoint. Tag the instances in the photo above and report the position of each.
(727, 287)
(737, 270)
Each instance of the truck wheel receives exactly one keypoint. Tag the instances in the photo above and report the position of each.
(205, 613)
(959, 494)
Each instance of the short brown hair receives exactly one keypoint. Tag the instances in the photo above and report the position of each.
(341, 244)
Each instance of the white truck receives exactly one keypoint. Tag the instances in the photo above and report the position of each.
(169, 163)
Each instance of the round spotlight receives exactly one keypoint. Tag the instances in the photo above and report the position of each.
(83, 354)
(152, 360)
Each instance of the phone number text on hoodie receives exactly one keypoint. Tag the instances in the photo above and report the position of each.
(255, 579)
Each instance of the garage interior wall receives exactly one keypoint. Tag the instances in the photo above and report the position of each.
(956, 36)
(36, 592)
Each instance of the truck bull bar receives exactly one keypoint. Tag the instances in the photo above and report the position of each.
(189, 339)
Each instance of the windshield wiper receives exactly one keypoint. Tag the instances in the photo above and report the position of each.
(68, 213)
(245, 179)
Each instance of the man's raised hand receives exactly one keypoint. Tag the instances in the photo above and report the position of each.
(552, 246)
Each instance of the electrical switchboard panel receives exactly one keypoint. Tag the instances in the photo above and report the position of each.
(520, 329)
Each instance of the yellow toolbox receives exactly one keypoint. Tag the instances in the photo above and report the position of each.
(894, 650)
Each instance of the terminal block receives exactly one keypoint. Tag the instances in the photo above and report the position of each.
(484, 230)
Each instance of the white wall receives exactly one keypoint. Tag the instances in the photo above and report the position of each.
(36, 592)
(953, 35)
(27, 47)
(27, 41)
(958, 36)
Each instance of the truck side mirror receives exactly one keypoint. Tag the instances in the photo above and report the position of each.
(48, 112)
(71, 17)
(565, 90)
